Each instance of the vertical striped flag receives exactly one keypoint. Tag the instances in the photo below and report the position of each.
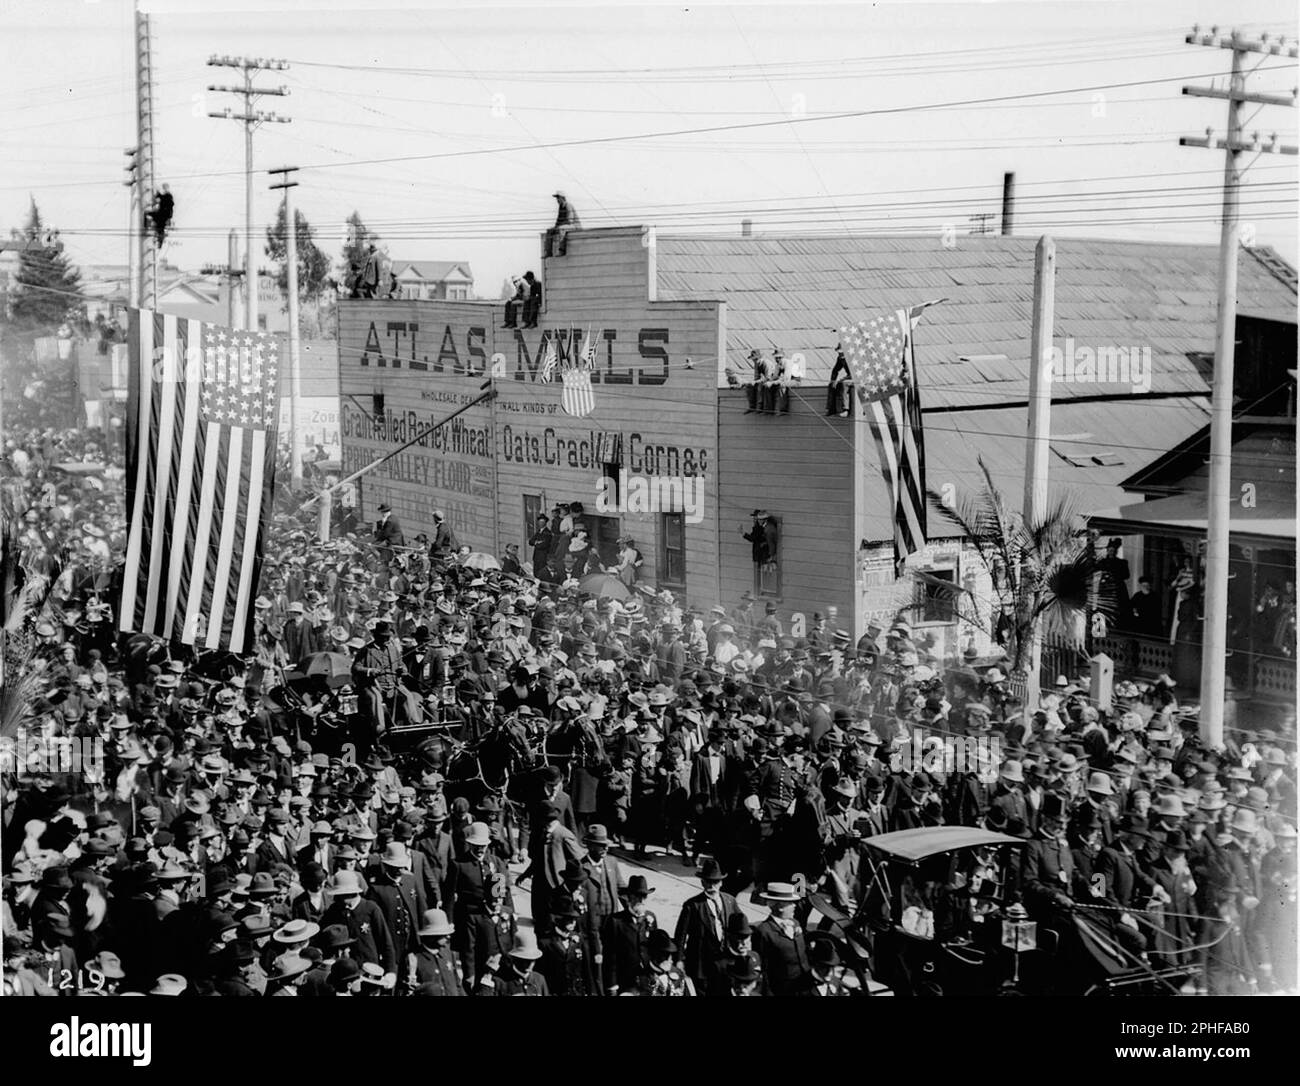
(202, 408)
(879, 354)
(550, 359)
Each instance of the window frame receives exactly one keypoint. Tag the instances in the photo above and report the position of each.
(664, 552)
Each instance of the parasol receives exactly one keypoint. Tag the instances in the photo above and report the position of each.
(604, 586)
(480, 561)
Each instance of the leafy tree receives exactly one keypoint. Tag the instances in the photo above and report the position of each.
(46, 285)
(313, 265)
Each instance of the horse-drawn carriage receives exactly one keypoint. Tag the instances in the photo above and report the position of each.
(939, 914)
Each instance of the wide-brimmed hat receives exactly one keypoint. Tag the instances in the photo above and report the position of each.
(478, 833)
(297, 931)
(637, 885)
(1012, 770)
(1245, 822)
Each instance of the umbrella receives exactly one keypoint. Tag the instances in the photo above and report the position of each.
(480, 561)
(604, 586)
(335, 667)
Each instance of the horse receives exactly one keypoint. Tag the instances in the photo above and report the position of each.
(500, 763)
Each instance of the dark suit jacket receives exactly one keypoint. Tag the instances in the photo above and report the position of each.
(267, 856)
(786, 966)
(389, 533)
(626, 943)
(1048, 869)
(697, 942)
(1124, 879)
(366, 924)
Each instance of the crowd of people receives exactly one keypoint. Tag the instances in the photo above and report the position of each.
(355, 806)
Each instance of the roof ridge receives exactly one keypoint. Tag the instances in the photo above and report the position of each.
(1275, 264)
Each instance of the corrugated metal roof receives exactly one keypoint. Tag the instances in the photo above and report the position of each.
(795, 292)
(1134, 431)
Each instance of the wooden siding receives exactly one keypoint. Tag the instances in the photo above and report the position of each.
(600, 268)
(663, 411)
(799, 467)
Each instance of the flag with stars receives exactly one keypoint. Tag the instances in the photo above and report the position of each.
(202, 407)
(879, 354)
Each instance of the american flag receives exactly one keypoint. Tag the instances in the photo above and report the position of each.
(203, 403)
(550, 359)
(588, 352)
(879, 354)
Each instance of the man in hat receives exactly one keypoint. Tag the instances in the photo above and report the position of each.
(566, 960)
(601, 871)
(388, 533)
(702, 926)
(516, 975)
(444, 543)
(828, 977)
(365, 924)
(625, 939)
(436, 971)
(780, 944)
(553, 847)
(299, 635)
(774, 789)
(401, 900)
(478, 886)
(376, 672)
(1047, 871)
(434, 843)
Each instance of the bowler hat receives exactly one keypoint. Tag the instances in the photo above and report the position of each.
(435, 922)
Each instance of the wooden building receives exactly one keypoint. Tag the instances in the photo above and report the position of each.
(673, 320)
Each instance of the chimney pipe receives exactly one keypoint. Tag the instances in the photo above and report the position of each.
(746, 228)
(1008, 202)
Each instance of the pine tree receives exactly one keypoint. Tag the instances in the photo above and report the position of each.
(46, 285)
(313, 265)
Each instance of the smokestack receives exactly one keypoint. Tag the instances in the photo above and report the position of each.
(746, 228)
(1008, 202)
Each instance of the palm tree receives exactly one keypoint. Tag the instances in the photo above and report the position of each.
(1043, 572)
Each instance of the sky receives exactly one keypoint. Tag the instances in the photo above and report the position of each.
(449, 126)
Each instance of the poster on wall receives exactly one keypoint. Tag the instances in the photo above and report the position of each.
(318, 424)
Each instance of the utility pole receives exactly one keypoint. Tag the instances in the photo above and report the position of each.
(148, 296)
(1214, 639)
(251, 119)
(232, 273)
(134, 219)
(1037, 449)
(291, 270)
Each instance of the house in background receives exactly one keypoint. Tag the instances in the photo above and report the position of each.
(1163, 523)
(434, 280)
